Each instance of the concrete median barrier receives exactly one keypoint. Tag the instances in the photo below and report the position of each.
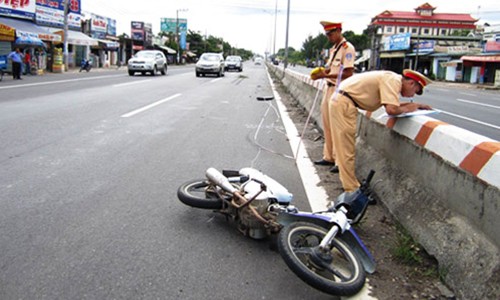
(441, 182)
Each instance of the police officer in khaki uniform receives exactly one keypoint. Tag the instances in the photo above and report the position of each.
(340, 65)
(368, 91)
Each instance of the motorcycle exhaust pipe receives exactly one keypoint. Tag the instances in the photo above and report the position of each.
(216, 177)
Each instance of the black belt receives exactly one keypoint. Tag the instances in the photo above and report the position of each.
(328, 83)
(346, 94)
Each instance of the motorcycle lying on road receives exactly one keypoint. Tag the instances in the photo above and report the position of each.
(321, 248)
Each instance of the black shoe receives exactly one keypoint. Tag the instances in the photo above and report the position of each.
(324, 163)
(334, 169)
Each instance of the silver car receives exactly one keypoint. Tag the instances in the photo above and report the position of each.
(210, 63)
(234, 62)
(150, 61)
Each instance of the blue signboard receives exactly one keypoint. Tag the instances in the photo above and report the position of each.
(183, 40)
(51, 13)
(397, 42)
(168, 25)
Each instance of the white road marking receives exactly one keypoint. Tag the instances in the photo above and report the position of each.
(131, 83)
(133, 113)
(478, 103)
(56, 82)
(469, 119)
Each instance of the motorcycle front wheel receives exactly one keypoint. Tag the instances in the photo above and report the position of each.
(200, 194)
(336, 272)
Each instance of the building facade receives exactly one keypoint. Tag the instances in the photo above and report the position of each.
(439, 45)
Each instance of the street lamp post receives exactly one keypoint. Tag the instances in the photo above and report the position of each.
(65, 36)
(177, 33)
(286, 38)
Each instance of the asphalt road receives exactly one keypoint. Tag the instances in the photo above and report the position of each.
(90, 165)
(462, 105)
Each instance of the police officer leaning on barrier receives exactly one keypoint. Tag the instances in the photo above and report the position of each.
(340, 65)
(368, 91)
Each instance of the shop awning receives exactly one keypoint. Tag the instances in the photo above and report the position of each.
(392, 54)
(29, 41)
(169, 50)
(361, 59)
(26, 28)
(107, 44)
(482, 58)
(77, 38)
(190, 54)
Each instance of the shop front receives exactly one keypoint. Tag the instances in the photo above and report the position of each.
(78, 46)
(30, 38)
(481, 68)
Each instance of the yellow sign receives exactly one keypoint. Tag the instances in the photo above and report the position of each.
(6, 33)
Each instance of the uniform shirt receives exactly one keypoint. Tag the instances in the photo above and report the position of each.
(344, 57)
(373, 89)
(16, 57)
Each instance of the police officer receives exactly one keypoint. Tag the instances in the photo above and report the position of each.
(340, 66)
(368, 91)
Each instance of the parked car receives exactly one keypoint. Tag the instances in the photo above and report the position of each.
(234, 62)
(150, 61)
(210, 63)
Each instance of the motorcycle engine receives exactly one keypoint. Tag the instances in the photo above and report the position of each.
(253, 227)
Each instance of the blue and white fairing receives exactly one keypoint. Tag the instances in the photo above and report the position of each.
(274, 189)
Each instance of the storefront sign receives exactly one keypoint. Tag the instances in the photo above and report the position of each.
(51, 13)
(18, 8)
(6, 33)
(424, 46)
(492, 46)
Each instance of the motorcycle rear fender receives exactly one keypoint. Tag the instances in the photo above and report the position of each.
(349, 236)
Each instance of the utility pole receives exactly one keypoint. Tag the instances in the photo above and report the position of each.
(274, 36)
(65, 36)
(286, 42)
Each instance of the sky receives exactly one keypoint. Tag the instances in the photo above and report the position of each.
(253, 24)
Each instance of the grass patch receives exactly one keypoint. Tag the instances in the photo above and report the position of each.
(412, 254)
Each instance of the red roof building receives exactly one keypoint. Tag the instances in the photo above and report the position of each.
(427, 41)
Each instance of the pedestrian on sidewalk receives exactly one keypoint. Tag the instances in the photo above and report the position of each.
(340, 65)
(17, 61)
(27, 62)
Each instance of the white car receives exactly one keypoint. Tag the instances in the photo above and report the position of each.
(150, 61)
(234, 62)
(210, 63)
(258, 60)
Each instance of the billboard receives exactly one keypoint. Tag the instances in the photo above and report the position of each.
(397, 42)
(137, 30)
(18, 8)
(169, 24)
(51, 13)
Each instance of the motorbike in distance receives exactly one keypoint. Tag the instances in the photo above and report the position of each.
(321, 248)
(86, 65)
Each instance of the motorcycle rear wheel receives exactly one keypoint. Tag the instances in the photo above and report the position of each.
(200, 194)
(338, 272)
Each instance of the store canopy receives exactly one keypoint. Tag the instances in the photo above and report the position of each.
(78, 38)
(26, 28)
(169, 50)
(482, 58)
(29, 41)
(361, 59)
(190, 54)
(392, 54)
(107, 44)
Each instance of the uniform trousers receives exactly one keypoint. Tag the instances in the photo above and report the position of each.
(343, 116)
(328, 146)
